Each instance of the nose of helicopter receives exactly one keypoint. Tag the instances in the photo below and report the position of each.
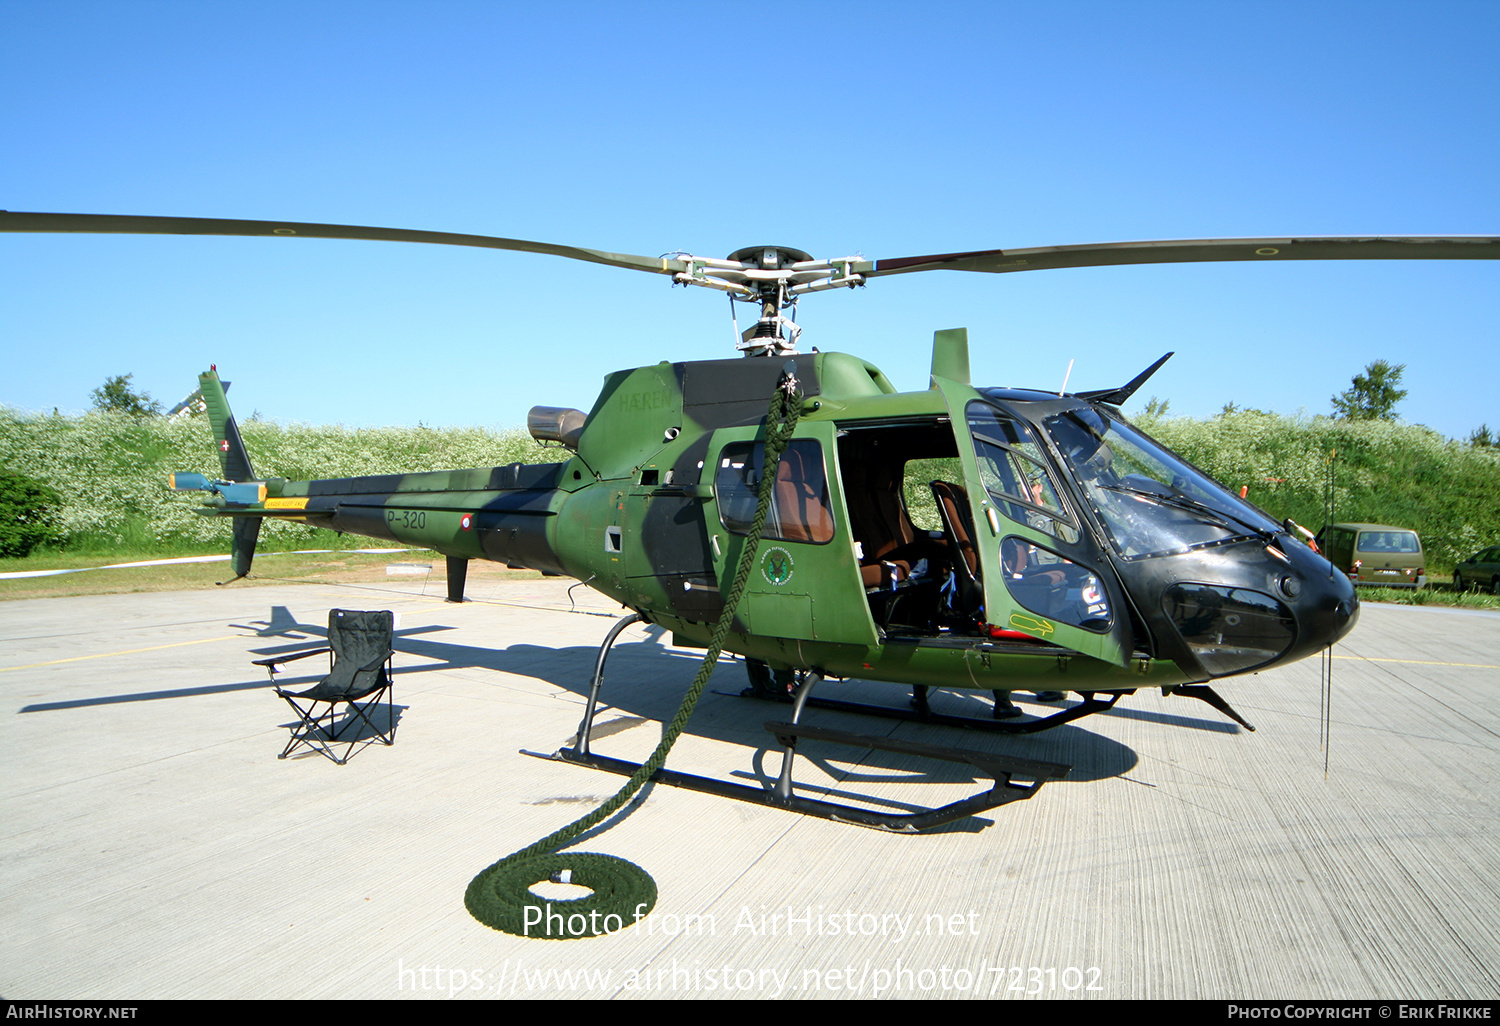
(1273, 604)
(1324, 604)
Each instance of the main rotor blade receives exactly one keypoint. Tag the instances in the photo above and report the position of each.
(999, 261)
(115, 224)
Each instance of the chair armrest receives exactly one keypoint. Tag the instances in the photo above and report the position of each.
(376, 663)
(271, 664)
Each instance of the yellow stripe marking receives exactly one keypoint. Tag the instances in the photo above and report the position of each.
(128, 651)
(154, 648)
(1420, 662)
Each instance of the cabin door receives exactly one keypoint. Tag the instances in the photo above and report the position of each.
(805, 584)
(1039, 569)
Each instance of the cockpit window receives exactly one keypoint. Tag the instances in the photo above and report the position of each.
(1015, 474)
(1151, 502)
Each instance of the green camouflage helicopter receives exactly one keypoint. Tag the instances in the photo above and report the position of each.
(1072, 552)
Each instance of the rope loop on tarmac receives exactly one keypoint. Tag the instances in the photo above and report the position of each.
(623, 893)
(501, 896)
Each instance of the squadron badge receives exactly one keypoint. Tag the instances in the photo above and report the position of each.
(776, 566)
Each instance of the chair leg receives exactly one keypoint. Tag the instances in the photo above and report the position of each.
(386, 737)
(311, 726)
(325, 724)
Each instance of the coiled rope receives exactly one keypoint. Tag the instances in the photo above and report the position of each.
(501, 896)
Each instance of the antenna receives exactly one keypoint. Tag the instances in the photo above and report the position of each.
(1066, 376)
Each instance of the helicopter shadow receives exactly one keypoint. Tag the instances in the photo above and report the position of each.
(649, 680)
(283, 623)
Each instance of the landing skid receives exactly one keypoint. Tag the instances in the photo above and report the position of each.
(1001, 769)
(998, 768)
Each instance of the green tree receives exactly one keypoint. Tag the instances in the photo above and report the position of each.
(1481, 438)
(1374, 394)
(28, 514)
(116, 396)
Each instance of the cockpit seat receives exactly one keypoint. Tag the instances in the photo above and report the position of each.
(958, 526)
(885, 573)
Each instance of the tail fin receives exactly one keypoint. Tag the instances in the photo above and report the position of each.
(235, 461)
(242, 548)
(232, 455)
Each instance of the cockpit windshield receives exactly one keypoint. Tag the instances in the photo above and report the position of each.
(1151, 502)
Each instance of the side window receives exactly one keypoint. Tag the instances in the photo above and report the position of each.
(1047, 583)
(1343, 544)
(799, 501)
(1015, 473)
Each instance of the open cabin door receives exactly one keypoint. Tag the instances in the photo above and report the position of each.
(805, 584)
(1040, 572)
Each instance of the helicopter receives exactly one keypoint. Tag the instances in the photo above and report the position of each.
(1071, 552)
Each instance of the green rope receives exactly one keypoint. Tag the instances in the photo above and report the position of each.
(501, 896)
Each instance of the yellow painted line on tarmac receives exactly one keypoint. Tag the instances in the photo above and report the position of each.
(152, 648)
(128, 651)
(1421, 662)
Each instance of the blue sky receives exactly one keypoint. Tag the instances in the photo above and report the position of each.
(881, 129)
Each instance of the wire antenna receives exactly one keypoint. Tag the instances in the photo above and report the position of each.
(1325, 676)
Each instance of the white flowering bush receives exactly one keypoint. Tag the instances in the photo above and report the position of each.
(1381, 472)
(111, 469)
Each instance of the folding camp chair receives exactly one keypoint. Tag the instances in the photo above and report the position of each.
(359, 676)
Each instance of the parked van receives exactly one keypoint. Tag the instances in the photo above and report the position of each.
(1378, 555)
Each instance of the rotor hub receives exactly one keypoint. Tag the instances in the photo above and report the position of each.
(770, 258)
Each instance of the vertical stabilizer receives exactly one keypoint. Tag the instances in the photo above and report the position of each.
(232, 455)
(235, 461)
(950, 355)
(242, 548)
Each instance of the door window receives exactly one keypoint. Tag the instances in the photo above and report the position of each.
(1046, 582)
(799, 501)
(1014, 473)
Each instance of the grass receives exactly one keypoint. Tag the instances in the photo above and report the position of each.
(1432, 595)
(296, 568)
